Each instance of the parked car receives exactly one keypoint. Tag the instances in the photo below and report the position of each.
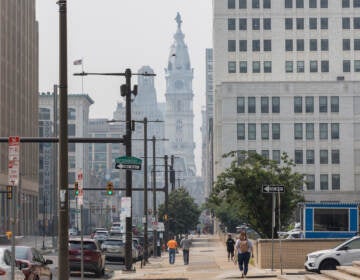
(94, 258)
(5, 266)
(32, 263)
(114, 250)
(342, 254)
(73, 232)
(101, 235)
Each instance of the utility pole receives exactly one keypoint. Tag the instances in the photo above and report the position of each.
(172, 173)
(166, 218)
(145, 192)
(63, 147)
(154, 194)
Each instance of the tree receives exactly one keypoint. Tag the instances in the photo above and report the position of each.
(239, 189)
(183, 214)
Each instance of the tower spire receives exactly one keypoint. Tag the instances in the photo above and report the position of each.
(178, 20)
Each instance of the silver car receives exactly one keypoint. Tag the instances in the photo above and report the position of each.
(114, 250)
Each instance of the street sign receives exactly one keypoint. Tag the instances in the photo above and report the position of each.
(126, 162)
(273, 189)
(14, 161)
(80, 184)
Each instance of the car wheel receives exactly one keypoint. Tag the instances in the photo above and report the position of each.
(328, 265)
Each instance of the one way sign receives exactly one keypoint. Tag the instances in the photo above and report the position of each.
(273, 189)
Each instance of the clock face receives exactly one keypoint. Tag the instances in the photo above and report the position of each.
(179, 84)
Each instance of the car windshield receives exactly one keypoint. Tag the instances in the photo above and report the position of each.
(101, 233)
(76, 245)
(113, 242)
(21, 253)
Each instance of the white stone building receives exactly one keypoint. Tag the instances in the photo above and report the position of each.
(286, 77)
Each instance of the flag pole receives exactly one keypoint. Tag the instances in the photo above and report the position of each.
(82, 77)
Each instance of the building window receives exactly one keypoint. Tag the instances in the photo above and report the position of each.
(267, 45)
(299, 4)
(324, 43)
(310, 156)
(324, 4)
(231, 24)
(231, 4)
(240, 131)
(256, 66)
(242, 4)
(297, 104)
(276, 156)
(275, 104)
(300, 45)
(346, 66)
(313, 23)
(265, 131)
(323, 104)
(345, 23)
(256, 24)
(240, 108)
(298, 131)
(310, 182)
(251, 104)
(288, 4)
(288, 23)
(267, 23)
(71, 113)
(264, 104)
(356, 44)
(335, 131)
(71, 148)
(267, 67)
(242, 24)
(252, 131)
(346, 45)
(312, 3)
(241, 156)
(324, 182)
(346, 3)
(243, 45)
(335, 181)
(243, 66)
(324, 66)
(356, 4)
(356, 65)
(231, 67)
(298, 156)
(255, 4)
(265, 154)
(300, 68)
(267, 4)
(300, 23)
(334, 104)
(356, 22)
(71, 130)
(288, 66)
(324, 23)
(324, 157)
(288, 45)
(323, 130)
(276, 131)
(309, 104)
(313, 66)
(313, 45)
(256, 45)
(231, 45)
(335, 156)
(309, 131)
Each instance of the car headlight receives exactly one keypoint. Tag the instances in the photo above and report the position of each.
(315, 256)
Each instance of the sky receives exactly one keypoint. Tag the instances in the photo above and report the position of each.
(112, 35)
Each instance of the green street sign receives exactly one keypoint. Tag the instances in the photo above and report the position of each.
(126, 162)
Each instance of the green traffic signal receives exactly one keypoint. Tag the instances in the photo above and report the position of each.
(109, 188)
(76, 188)
(109, 192)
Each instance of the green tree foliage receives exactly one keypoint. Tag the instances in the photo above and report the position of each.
(238, 192)
(183, 214)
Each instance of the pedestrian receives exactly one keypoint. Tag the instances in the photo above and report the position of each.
(244, 250)
(172, 245)
(230, 247)
(185, 245)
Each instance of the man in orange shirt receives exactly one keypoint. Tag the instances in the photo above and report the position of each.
(172, 245)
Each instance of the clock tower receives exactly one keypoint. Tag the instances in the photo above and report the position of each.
(179, 115)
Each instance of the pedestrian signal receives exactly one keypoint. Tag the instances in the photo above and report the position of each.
(9, 192)
(109, 188)
(76, 188)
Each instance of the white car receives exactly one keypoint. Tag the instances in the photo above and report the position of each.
(5, 266)
(343, 254)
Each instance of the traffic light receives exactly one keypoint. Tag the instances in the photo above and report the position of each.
(109, 188)
(9, 192)
(76, 188)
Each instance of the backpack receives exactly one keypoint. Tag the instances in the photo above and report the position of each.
(244, 246)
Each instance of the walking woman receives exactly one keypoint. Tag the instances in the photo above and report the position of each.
(244, 250)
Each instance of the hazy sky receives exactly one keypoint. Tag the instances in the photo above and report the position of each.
(112, 35)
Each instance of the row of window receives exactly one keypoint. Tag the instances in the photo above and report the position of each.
(298, 131)
(324, 182)
(300, 44)
(323, 156)
(255, 4)
(276, 156)
(266, 4)
(309, 104)
(265, 104)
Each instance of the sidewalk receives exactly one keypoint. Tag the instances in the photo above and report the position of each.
(208, 260)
